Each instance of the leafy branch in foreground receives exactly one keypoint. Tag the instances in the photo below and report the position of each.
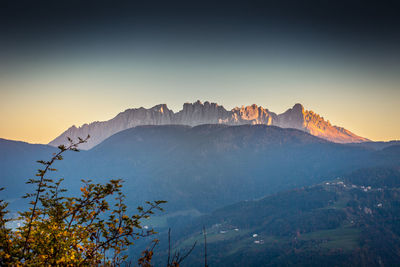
(92, 229)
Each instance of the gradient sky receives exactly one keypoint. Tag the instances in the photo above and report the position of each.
(75, 63)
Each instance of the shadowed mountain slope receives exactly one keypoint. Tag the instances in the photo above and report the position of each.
(200, 168)
(350, 221)
(17, 164)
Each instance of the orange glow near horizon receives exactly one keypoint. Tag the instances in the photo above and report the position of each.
(38, 105)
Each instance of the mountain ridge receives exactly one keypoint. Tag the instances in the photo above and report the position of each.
(338, 222)
(198, 113)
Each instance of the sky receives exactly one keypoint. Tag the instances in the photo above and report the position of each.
(75, 62)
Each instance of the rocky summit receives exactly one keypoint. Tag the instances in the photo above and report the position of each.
(198, 113)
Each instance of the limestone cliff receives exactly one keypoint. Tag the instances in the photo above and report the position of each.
(198, 113)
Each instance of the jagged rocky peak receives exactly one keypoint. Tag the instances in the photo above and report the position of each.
(253, 114)
(292, 118)
(198, 105)
(313, 123)
(73, 127)
(159, 114)
(161, 108)
(298, 108)
(198, 113)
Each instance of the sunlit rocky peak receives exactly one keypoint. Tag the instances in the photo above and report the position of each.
(198, 113)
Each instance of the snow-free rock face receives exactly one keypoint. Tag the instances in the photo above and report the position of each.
(209, 113)
(100, 130)
(292, 118)
(198, 113)
(306, 120)
(252, 114)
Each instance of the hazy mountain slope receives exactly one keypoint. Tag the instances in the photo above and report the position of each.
(208, 166)
(209, 113)
(17, 164)
(378, 145)
(344, 222)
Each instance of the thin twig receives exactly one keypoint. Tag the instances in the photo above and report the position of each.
(169, 246)
(205, 246)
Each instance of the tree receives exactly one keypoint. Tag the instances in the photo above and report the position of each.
(92, 229)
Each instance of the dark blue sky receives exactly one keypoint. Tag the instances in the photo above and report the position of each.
(31, 24)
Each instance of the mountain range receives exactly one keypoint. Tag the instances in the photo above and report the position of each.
(199, 113)
(286, 186)
(196, 168)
